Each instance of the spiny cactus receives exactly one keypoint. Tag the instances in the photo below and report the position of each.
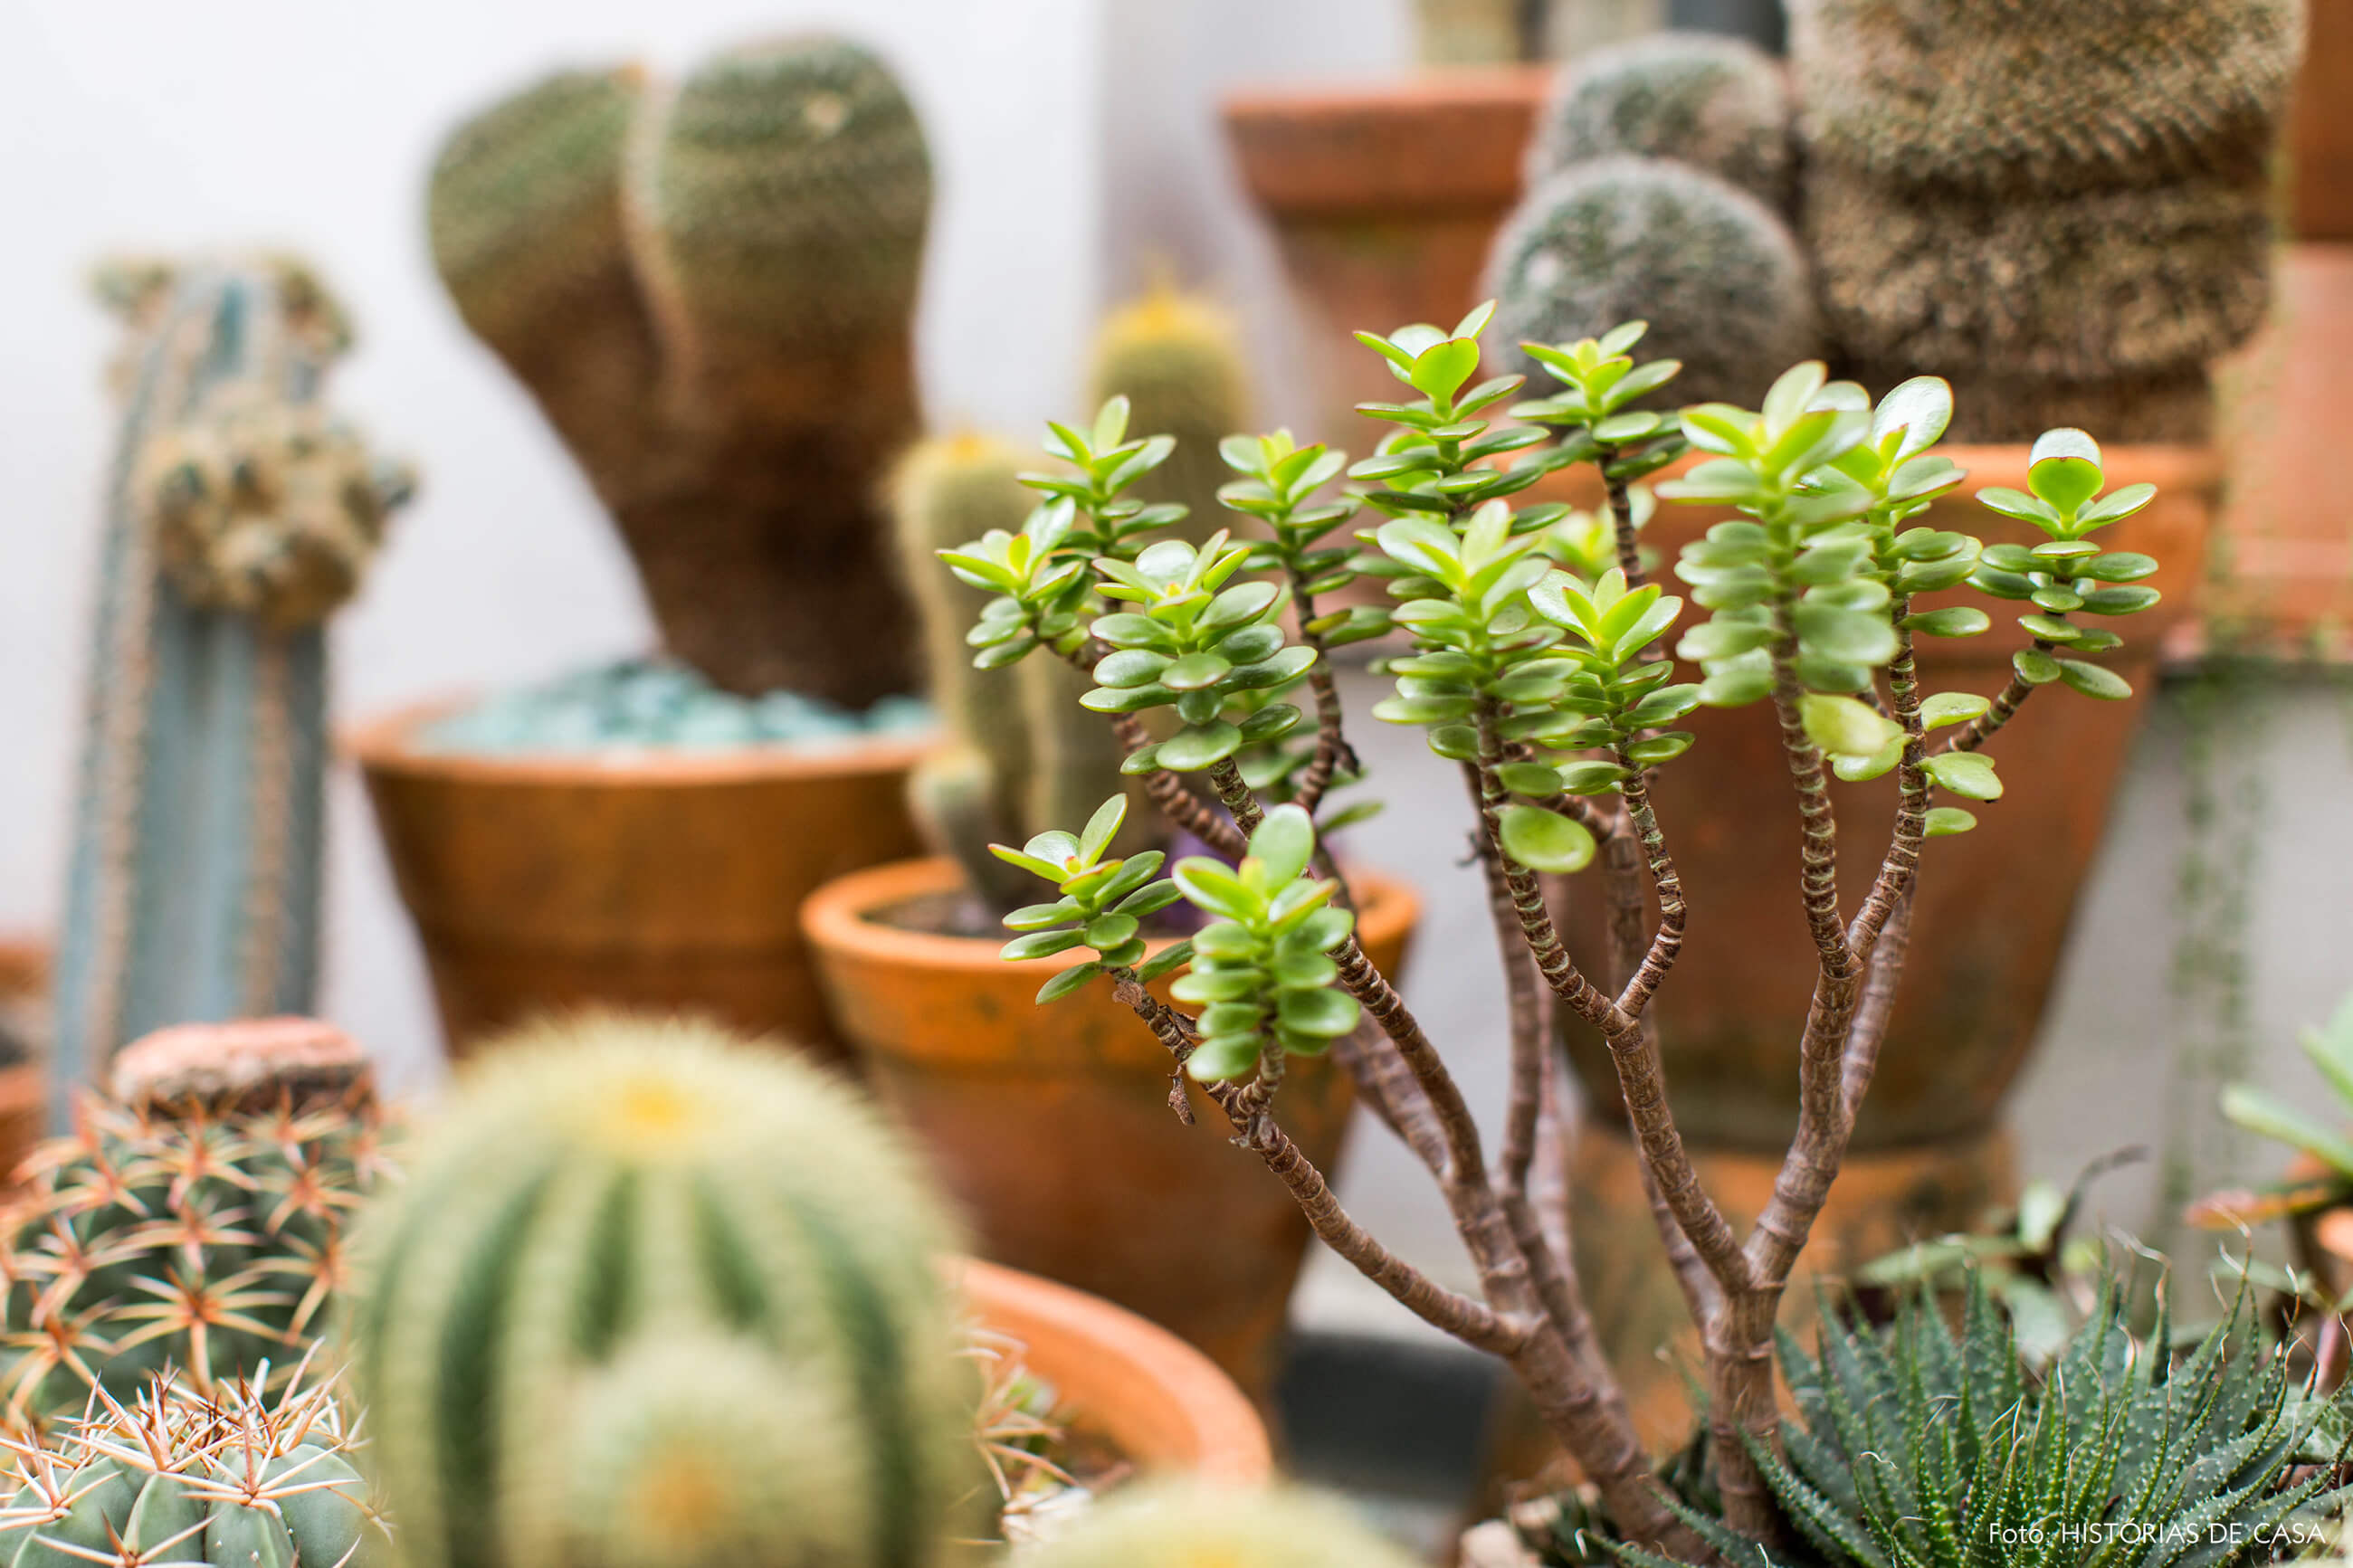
(194, 1219)
(1717, 275)
(232, 1478)
(1178, 360)
(1189, 1524)
(2093, 287)
(652, 1295)
(2019, 98)
(1718, 103)
(709, 287)
(237, 517)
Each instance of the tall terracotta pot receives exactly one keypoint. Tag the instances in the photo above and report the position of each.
(1993, 906)
(24, 1024)
(1383, 198)
(1052, 1125)
(664, 882)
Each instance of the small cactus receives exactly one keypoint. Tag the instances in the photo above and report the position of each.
(2111, 285)
(1190, 1525)
(1718, 276)
(232, 1478)
(652, 1295)
(709, 287)
(194, 1219)
(1178, 360)
(1717, 103)
(2027, 98)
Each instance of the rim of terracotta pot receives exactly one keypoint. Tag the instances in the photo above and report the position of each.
(838, 918)
(1163, 1403)
(1311, 147)
(384, 745)
(24, 962)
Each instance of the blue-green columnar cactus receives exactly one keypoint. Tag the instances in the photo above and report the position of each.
(238, 515)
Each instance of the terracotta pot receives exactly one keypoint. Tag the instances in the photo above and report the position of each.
(1052, 1125)
(1993, 906)
(24, 1015)
(667, 882)
(1162, 1404)
(2320, 132)
(1384, 199)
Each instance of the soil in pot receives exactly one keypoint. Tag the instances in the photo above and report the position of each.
(1052, 1128)
(631, 838)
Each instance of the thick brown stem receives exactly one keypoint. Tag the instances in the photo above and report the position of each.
(1530, 1018)
(1240, 802)
(1622, 521)
(1636, 989)
(1180, 805)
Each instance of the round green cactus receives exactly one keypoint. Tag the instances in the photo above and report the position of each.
(1717, 103)
(2126, 283)
(2023, 97)
(604, 1205)
(1716, 273)
(1189, 1525)
(228, 1479)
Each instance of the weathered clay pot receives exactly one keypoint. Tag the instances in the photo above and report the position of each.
(1993, 905)
(1163, 1405)
(1052, 1125)
(1384, 199)
(24, 1015)
(649, 881)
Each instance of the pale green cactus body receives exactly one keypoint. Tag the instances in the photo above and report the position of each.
(1191, 1525)
(1178, 359)
(238, 515)
(602, 1206)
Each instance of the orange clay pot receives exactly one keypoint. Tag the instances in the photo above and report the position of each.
(23, 1012)
(1384, 199)
(1164, 1405)
(1993, 905)
(1052, 1125)
(667, 882)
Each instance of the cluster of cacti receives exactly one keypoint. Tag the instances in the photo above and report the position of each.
(1025, 755)
(2055, 209)
(1658, 182)
(709, 287)
(237, 516)
(194, 1219)
(1191, 1524)
(652, 1297)
(229, 1479)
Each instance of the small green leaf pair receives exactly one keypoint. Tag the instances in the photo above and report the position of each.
(1102, 906)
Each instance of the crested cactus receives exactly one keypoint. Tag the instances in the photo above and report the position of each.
(194, 1219)
(2052, 100)
(1718, 103)
(1178, 1525)
(231, 1478)
(239, 516)
(1717, 274)
(1178, 360)
(651, 1296)
(709, 287)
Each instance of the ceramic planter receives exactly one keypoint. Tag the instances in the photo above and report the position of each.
(24, 1017)
(658, 881)
(1052, 1125)
(1162, 1404)
(1383, 199)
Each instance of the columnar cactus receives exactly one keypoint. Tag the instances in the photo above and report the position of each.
(194, 1219)
(1183, 1524)
(232, 1478)
(1178, 360)
(1715, 272)
(238, 515)
(1720, 104)
(709, 287)
(651, 1296)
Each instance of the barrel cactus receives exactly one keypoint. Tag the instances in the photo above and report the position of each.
(1716, 273)
(1716, 103)
(194, 1219)
(1184, 1524)
(709, 287)
(239, 515)
(229, 1479)
(2019, 98)
(654, 1296)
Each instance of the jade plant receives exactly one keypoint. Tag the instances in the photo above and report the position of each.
(1555, 692)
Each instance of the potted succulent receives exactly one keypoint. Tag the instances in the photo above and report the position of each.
(2316, 1194)
(1044, 1127)
(719, 328)
(1556, 694)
